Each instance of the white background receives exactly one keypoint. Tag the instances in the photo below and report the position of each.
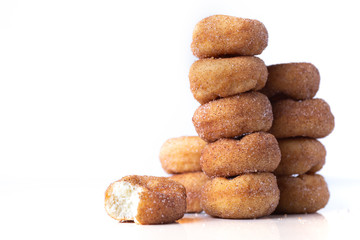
(89, 90)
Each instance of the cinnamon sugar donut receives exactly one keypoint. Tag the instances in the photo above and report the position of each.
(193, 183)
(256, 152)
(216, 78)
(182, 154)
(145, 200)
(298, 81)
(250, 195)
(222, 35)
(300, 155)
(303, 194)
(233, 116)
(308, 118)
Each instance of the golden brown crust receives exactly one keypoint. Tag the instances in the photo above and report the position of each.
(193, 182)
(211, 78)
(308, 118)
(303, 194)
(222, 35)
(233, 116)
(182, 154)
(295, 80)
(250, 195)
(300, 155)
(256, 152)
(161, 201)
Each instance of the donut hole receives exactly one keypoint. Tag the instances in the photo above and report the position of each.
(123, 201)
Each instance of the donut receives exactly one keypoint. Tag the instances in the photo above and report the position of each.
(298, 81)
(256, 152)
(145, 200)
(250, 195)
(233, 116)
(300, 155)
(182, 154)
(223, 77)
(308, 118)
(221, 35)
(193, 183)
(302, 194)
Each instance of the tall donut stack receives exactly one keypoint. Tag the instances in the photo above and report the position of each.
(234, 118)
(298, 120)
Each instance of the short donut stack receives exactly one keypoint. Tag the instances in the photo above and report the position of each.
(234, 118)
(298, 120)
(181, 157)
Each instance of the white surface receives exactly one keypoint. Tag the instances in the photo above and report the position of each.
(74, 210)
(90, 89)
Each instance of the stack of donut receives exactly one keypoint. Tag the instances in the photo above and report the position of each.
(181, 157)
(298, 120)
(234, 118)
(256, 152)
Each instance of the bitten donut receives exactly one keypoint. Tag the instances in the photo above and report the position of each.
(182, 154)
(216, 78)
(250, 195)
(300, 155)
(145, 200)
(298, 81)
(308, 118)
(256, 152)
(233, 116)
(222, 35)
(193, 183)
(302, 194)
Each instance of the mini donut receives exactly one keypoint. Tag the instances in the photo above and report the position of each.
(308, 118)
(182, 154)
(222, 35)
(223, 77)
(193, 183)
(300, 155)
(251, 195)
(302, 194)
(298, 81)
(256, 152)
(145, 200)
(233, 116)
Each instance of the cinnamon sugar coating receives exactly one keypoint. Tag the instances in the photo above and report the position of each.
(161, 201)
(250, 195)
(182, 154)
(300, 155)
(256, 152)
(306, 193)
(233, 116)
(298, 81)
(211, 78)
(193, 183)
(308, 118)
(221, 35)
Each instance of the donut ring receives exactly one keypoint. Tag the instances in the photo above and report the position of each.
(298, 81)
(308, 118)
(193, 183)
(303, 194)
(145, 200)
(222, 35)
(182, 154)
(300, 155)
(223, 77)
(251, 195)
(256, 152)
(233, 116)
